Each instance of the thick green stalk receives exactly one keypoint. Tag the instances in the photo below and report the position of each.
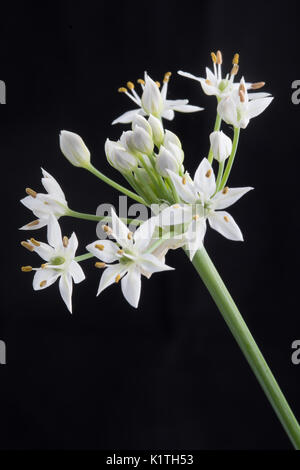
(216, 128)
(231, 158)
(115, 185)
(83, 257)
(220, 174)
(245, 340)
(98, 218)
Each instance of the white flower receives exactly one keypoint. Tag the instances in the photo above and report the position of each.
(59, 255)
(203, 204)
(167, 159)
(118, 157)
(237, 110)
(214, 84)
(74, 149)
(131, 251)
(44, 205)
(153, 101)
(221, 145)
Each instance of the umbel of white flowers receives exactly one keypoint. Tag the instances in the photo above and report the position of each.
(150, 158)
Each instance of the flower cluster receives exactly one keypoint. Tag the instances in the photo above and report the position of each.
(151, 160)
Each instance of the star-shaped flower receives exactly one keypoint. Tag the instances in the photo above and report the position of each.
(133, 257)
(44, 205)
(153, 101)
(203, 203)
(59, 256)
(216, 85)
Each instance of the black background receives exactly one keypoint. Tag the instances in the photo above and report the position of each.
(168, 375)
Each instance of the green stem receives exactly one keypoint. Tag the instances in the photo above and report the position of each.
(216, 128)
(98, 218)
(220, 174)
(245, 340)
(115, 185)
(83, 257)
(231, 158)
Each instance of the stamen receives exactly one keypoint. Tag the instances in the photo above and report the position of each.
(176, 206)
(196, 217)
(256, 86)
(99, 247)
(107, 229)
(208, 174)
(32, 224)
(65, 241)
(43, 283)
(235, 60)
(242, 96)
(234, 70)
(219, 57)
(213, 57)
(35, 242)
(117, 279)
(226, 218)
(100, 265)
(26, 269)
(208, 82)
(44, 265)
(129, 236)
(120, 252)
(27, 246)
(141, 81)
(31, 192)
(122, 89)
(225, 190)
(46, 203)
(184, 180)
(130, 85)
(167, 77)
(158, 84)
(242, 88)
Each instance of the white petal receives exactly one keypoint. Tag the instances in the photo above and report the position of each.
(66, 289)
(45, 251)
(72, 245)
(204, 179)
(209, 89)
(54, 233)
(41, 223)
(151, 264)
(120, 231)
(258, 95)
(225, 224)
(76, 272)
(195, 236)
(109, 252)
(109, 276)
(131, 286)
(142, 236)
(224, 199)
(174, 215)
(186, 191)
(127, 117)
(48, 275)
(187, 108)
(256, 107)
(189, 75)
(51, 185)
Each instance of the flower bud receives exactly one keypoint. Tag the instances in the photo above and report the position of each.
(74, 149)
(118, 157)
(137, 141)
(166, 161)
(140, 121)
(221, 145)
(170, 137)
(157, 130)
(152, 101)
